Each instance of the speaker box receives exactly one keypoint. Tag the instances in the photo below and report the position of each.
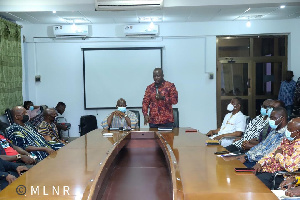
(87, 123)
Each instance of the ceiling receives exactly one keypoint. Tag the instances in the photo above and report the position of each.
(40, 12)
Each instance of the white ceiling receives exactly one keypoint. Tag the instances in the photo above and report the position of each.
(40, 11)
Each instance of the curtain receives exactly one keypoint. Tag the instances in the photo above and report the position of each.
(10, 65)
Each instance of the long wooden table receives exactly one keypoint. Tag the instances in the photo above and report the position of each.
(74, 171)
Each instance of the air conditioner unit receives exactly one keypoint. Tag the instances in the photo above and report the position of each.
(65, 31)
(128, 4)
(141, 30)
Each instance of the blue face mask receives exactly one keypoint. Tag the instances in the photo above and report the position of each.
(122, 109)
(272, 123)
(269, 111)
(288, 135)
(263, 111)
(31, 108)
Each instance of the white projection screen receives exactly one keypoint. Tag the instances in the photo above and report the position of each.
(113, 73)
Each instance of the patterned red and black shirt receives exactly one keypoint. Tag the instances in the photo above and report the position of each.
(161, 111)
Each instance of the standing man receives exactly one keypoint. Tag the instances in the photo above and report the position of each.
(286, 92)
(159, 96)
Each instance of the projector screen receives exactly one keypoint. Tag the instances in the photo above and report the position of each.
(113, 73)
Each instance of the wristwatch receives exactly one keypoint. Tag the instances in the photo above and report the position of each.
(126, 116)
(18, 156)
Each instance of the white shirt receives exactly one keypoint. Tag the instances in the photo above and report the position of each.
(232, 123)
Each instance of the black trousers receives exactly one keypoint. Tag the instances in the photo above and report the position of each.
(267, 179)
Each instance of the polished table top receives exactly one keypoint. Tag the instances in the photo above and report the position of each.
(198, 172)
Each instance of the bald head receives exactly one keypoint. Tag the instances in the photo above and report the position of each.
(294, 127)
(49, 115)
(18, 110)
(20, 115)
(277, 103)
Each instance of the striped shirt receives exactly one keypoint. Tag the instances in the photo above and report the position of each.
(267, 146)
(288, 160)
(253, 130)
(24, 136)
(118, 122)
(47, 129)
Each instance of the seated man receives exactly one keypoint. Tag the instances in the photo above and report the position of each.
(120, 117)
(10, 152)
(254, 127)
(25, 136)
(285, 157)
(248, 144)
(8, 172)
(234, 123)
(48, 128)
(277, 122)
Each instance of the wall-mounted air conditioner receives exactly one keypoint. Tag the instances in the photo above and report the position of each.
(141, 30)
(68, 31)
(128, 4)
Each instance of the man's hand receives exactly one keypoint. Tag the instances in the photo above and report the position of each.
(242, 158)
(146, 119)
(49, 150)
(21, 169)
(27, 160)
(10, 178)
(246, 145)
(119, 114)
(218, 137)
(293, 192)
(257, 168)
(210, 133)
(279, 150)
(289, 182)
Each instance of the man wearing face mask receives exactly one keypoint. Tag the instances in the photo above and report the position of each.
(246, 145)
(277, 122)
(24, 135)
(159, 98)
(286, 157)
(254, 127)
(48, 128)
(120, 117)
(234, 123)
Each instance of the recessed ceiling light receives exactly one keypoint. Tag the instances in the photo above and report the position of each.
(282, 6)
(53, 11)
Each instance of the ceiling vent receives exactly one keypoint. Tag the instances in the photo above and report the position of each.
(115, 5)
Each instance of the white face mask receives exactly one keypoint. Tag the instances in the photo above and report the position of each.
(230, 107)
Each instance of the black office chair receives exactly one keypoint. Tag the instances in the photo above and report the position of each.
(87, 123)
(137, 114)
(176, 117)
(9, 116)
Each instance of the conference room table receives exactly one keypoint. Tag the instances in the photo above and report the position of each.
(82, 168)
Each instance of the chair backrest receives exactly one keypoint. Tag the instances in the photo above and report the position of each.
(248, 119)
(176, 117)
(137, 114)
(87, 123)
(9, 116)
